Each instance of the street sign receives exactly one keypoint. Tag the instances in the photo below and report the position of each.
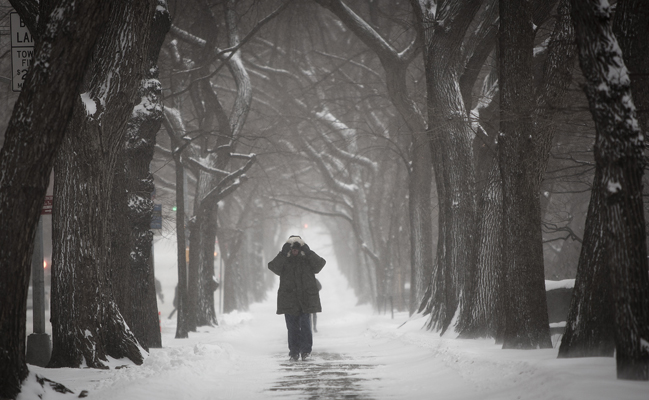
(47, 205)
(22, 51)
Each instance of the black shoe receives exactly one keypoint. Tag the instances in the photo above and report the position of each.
(294, 357)
(305, 356)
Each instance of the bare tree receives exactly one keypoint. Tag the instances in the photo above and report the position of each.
(618, 189)
(86, 323)
(203, 229)
(526, 316)
(344, 147)
(132, 274)
(630, 28)
(442, 30)
(175, 128)
(395, 65)
(239, 218)
(65, 35)
(212, 151)
(483, 297)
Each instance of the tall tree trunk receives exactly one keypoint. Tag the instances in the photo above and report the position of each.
(619, 162)
(631, 28)
(451, 135)
(214, 119)
(451, 138)
(551, 92)
(421, 225)
(176, 131)
(484, 295)
(182, 327)
(193, 268)
(589, 328)
(201, 258)
(206, 313)
(32, 138)
(526, 324)
(131, 237)
(229, 245)
(434, 301)
(86, 323)
(480, 315)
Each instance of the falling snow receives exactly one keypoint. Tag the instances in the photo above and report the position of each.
(355, 351)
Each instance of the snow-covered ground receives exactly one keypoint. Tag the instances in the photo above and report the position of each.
(357, 354)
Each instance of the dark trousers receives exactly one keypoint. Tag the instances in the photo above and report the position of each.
(300, 338)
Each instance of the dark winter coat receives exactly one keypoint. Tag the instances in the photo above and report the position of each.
(298, 290)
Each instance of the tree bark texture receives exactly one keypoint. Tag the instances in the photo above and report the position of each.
(480, 315)
(32, 138)
(86, 323)
(589, 328)
(175, 128)
(526, 324)
(240, 250)
(202, 238)
(451, 138)
(619, 148)
(421, 225)
(483, 298)
(203, 225)
(631, 28)
(182, 326)
(131, 236)
(550, 93)
(230, 241)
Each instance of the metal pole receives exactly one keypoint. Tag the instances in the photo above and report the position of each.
(221, 284)
(38, 280)
(39, 348)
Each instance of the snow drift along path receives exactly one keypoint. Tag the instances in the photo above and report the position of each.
(357, 354)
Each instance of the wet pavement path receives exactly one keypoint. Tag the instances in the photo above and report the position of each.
(324, 376)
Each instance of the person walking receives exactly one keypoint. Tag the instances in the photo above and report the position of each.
(298, 296)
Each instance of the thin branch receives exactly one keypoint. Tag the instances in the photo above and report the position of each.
(552, 228)
(335, 184)
(218, 52)
(205, 168)
(363, 30)
(333, 123)
(327, 214)
(217, 193)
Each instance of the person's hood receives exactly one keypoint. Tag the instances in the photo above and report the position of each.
(295, 239)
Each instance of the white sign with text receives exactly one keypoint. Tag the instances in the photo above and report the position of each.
(22, 51)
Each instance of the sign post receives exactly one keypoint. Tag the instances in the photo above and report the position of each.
(22, 51)
(47, 205)
(39, 348)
